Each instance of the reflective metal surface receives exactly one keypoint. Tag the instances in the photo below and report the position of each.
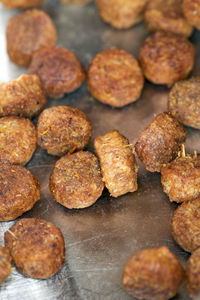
(101, 238)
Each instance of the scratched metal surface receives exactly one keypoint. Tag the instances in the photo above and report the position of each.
(101, 238)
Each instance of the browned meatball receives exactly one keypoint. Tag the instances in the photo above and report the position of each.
(118, 164)
(76, 2)
(5, 263)
(63, 129)
(59, 70)
(160, 142)
(21, 3)
(115, 78)
(17, 140)
(36, 246)
(28, 32)
(76, 180)
(193, 275)
(23, 97)
(153, 274)
(191, 9)
(166, 58)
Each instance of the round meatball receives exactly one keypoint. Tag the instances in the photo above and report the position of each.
(76, 180)
(115, 78)
(17, 140)
(191, 9)
(5, 263)
(37, 247)
(21, 4)
(118, 164)
(24, 97)
(59, 70)
(166, 58)
(153, 274)
(160, 142)
(63, 129)
(76, 2)
(28, 32)
(193, 274)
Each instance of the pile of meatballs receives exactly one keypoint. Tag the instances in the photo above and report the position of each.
(115, 78)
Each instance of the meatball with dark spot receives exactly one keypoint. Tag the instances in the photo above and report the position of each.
(5, 263)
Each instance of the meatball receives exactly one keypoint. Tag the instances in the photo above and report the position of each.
(115, 78)
(21, 4)
(24, 97)
(166, 58)
(118, 164)
(63, 129)
(59, 70)
(17, 140)
(76, 180)
(76, 2)
(28, 32)
(160, 142)
(153, 274)
(5, 263)
(37, 247)
(191, 9)
(193, 274)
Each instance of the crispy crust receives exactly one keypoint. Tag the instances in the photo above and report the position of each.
(118, 164)
(193, 274)
(191, 10)
(76, 2)
(21, 4)
(5, 263)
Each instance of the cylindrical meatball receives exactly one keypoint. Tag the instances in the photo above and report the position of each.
(28, 32)
(191, 9)
(5, 263)
(76, 180)
(167, 15)
(59, 70)
(24, 97)
(76, 2)
(21, 4)
(166, 58)
(193, 274)
(37, 247)
(153, 274)
(160, 142)
(115, 78)
(118, 164)
(63, 129)
(17, 140)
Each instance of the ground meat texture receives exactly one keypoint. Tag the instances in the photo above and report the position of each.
(59, 70)
(76, 2)
(76, 180)
(167, 15)
(118, 164)
(115, 78)
(160, 142)
(153, 274)
(193, 275)
(21, 4)
(63, 129)
(166, 58)
(5, 263)
(191, 9)
(28, 32)
(17, 140)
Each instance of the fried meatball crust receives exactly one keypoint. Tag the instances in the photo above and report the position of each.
(153, 274)
(118, 164)
(21, 4)
(24, 97)
(166, 58)
(5, 263)
(17, 140)
(36, 246)
(28, 32)
(76, 180)
(191, 9)
(193, 274)
(160, 142)
(63, 129)
(76, 2)
(59, 70)
(115, 78)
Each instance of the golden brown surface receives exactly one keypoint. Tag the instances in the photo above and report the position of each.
(118, 164)
(153, 274)
(5, 263)
(63, 129)
(193, 275)
(59, 70)
(21, 4)
(166, 58)
(76, 2)
(115, 78)
(160, 142)
(76, 180)
(28, 32)
(191, 9)
(37, 247)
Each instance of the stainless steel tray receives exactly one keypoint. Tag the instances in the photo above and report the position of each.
(101, 238)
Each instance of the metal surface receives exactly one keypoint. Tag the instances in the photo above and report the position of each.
(101, 238)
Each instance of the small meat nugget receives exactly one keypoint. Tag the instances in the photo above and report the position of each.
(76, 2)
(28, 32)
(24, 97)
(76, 180)
(63, 129)
(153, 274)
(191, 9)
(118, 164)
(17, 140)
(193, 275)
(21, 4)
(5, 263)
(59, 70)
(37, 247)
(160, 142)
(115, 78)
(166, 58)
